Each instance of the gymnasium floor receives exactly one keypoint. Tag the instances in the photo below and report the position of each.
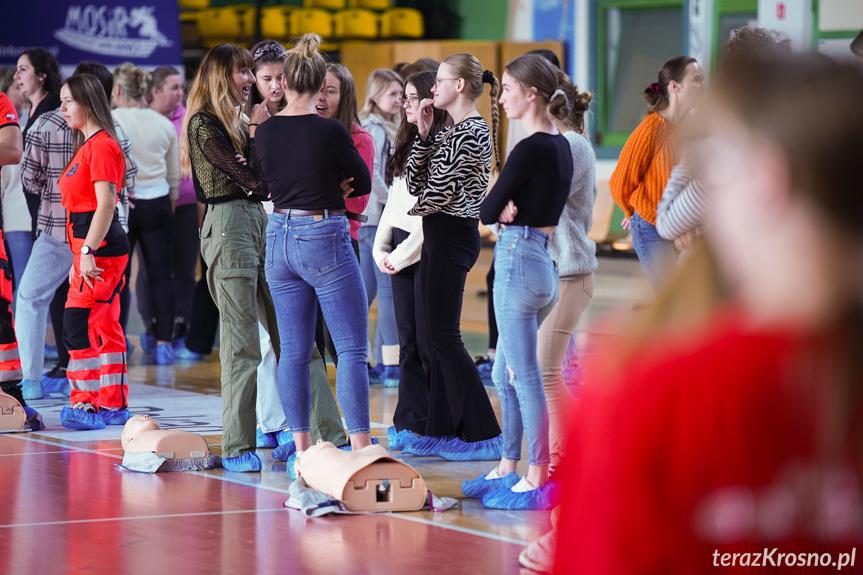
(68, 509)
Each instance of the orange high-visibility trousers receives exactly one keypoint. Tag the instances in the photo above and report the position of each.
(10, 364)
(92, 332)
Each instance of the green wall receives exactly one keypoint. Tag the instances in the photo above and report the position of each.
(483, 19)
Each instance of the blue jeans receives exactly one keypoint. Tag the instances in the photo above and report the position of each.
(658, 256)
(308, 260)
(48, 266)
(20, 246)
(525, 291)
(378, 284)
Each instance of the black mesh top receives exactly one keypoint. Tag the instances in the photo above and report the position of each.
(216, 173)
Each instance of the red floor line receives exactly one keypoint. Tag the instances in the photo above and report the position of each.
(166, 516)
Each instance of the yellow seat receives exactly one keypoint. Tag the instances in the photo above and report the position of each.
(402, 23)
(227, 24)
(356, 24)
(276, 22)
(379, 5)
(324, 4)
(306, 20)
(193, 4)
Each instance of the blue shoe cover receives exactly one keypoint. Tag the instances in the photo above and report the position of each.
(265, 440)
(396, 441)
(375, 373)
(115, 417)
(543, 498)
(292, 460)
(163, 354)
(185, 354)
(426, 445)
(484, 370)
(242, 463)
(148, 342)
(130, 348)
(55, 385)
(34, 420)
(284, 436)
(80, 419)
(480, 486)
(284, 451)
(50, 352)
(486, 450)
(32, 389)
(390, 376)
(347, 446)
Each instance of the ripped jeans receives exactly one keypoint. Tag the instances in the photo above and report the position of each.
(525, 292)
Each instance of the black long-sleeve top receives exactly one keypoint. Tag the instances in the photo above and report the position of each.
(305, 159)
(216, 173)
(536, 177)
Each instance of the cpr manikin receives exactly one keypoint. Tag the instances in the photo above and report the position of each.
(149, 448)
(13, 417)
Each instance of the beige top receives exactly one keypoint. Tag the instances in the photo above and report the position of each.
(154, 149)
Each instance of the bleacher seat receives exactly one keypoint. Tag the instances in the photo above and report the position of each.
(356, 23)
(276, 22)
(324, 4)
(305, 20)
(402, 23)
(231, 24)
(379, 5)
(193, 4)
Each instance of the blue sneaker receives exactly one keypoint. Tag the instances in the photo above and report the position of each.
(347, 446)
(292, 461)
(148, 342)
(245, 463)
(56, 382)
(34, 420)
(81, 416)
(426, 445)
(163, 354)
(390, 376)
(51, 353)
(185, 354)
(486, 450)
(543, 498)
(115, 416)
(484, 366)
(487, 483)
(32, 389)
(397, 440)
(375, 373)
(284, 451)
(265, 440)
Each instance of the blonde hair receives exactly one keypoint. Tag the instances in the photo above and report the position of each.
(377, 84)
(467, 67)
(214, 91)
(305, 68)
(133, 82)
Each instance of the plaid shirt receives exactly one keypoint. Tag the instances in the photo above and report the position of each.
(47, 150)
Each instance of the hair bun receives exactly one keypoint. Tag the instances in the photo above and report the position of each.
(488, 77)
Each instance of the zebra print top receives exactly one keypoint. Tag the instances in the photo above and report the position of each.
(450, 174)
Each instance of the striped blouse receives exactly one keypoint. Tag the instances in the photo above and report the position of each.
(450, 174)
(683, 204)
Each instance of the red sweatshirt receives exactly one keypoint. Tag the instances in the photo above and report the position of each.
(366, 147)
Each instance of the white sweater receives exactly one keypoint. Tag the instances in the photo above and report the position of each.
(154, 149)
(395, 215)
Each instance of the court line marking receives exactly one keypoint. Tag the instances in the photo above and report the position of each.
(166, 516)
(30, 453)
(466, 530)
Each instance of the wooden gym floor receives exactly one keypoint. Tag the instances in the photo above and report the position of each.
(68, 509)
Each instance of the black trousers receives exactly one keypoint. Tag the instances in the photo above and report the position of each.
(56, 310)
(414, 350)
(492, 321)
(458, 402)
(151, 223)
(205, 317)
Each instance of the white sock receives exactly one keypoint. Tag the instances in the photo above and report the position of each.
(493, 474)
(88, 407)
(522, 486)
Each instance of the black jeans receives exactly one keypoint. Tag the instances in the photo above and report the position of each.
(492, 321)
(458, 402)
(205, 317)
(151, 223)
(186, 251)
(414, 351)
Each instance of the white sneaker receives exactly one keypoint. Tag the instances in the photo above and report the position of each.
(522, 486)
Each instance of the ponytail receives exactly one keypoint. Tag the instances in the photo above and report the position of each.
(568, 105)
(488, 77)
(305, 68)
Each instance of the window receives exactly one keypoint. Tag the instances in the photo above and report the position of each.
(635, 38)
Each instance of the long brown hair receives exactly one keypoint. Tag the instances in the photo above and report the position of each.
(347, 112)
(466, 66)
(214, 91)
(264, 53)
(407, 133)
(87, 91)
(656, 94)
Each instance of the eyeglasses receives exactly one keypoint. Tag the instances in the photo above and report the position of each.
(437, 81)
(409, 100)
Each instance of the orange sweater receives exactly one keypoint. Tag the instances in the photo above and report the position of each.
(644, 167)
